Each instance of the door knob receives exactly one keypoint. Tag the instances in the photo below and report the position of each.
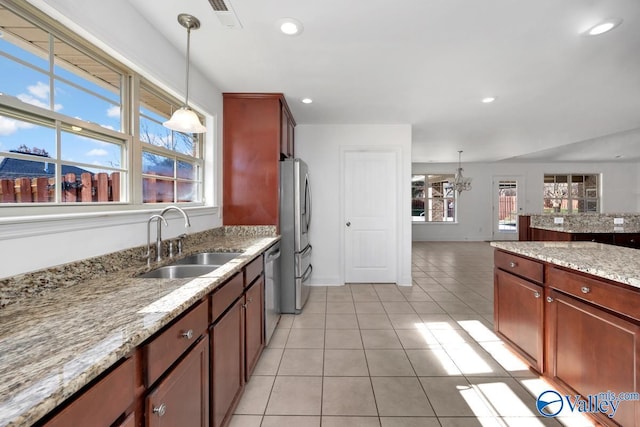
(348, 223)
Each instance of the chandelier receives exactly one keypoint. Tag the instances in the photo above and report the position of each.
(460, 183)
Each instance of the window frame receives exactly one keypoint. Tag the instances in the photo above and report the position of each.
(131, 81)
(428, 200)
(569, 197)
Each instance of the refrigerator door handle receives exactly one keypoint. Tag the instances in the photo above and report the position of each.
(307, 196)
(305, 251)
(307, 273)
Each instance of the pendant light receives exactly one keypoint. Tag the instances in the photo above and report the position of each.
(461, 183)
(184, 119)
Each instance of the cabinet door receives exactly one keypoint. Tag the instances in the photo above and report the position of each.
(227, 363)
(592, 351)
(254, 324)
(182, 397)
(518, 315)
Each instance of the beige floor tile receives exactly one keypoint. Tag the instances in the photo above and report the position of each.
(417, 338)
(286, 320)
(473, 422)
(317, 297)
(316, 307)
(439, 321)
(348, 396)
(447, 396)
(290, 420)
(380, 339)
(301, 362)
(306, 338)
(337, 421)
(343, 339)
(245, 421)
(443, 296)
(295, 396)
(405, 321)
(506, 396)
(389, 363)
(390, 295)
(398, 307)
(473, 360)
(309, 321)
(427, 307)
(341, 321)
(409, 422)
(365, 296)
(400, 396)
(345, 363)
(456, 307)
(269, 362)
(417, 295)
(339, 297)
(374, 321)
(279, 338)
(256, 395)
(374, 307)
(432, 362)
(340, 307)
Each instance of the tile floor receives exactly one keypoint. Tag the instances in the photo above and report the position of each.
(387, 356)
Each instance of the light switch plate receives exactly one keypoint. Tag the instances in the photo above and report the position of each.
(618, 221)
(558, 220)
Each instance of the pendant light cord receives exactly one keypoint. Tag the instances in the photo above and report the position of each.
(186, 98)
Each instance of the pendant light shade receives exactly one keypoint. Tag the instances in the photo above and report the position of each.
(184, 119)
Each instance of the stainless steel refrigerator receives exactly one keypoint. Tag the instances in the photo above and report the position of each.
(295, 248)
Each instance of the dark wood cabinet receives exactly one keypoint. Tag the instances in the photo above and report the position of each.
(227, 363)
(258, 129)
(590, 350)
(254, 324)
(518, 316)
(181, 398)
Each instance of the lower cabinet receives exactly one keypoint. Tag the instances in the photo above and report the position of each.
(227, 363)
(254, 324)
(182, 397)
(590, 351)
(518, 316)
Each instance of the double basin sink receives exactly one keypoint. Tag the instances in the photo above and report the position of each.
(192, 265)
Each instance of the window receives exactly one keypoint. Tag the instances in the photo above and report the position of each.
(65, 124)
(571, 193)
(433, 198)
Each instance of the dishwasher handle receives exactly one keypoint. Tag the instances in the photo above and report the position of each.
(273, 255)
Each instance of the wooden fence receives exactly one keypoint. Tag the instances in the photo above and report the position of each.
(508, 207)
(100, 187)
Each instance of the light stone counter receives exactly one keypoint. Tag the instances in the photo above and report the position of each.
(54, 344)
(607, 261)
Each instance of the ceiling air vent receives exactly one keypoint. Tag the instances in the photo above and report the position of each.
(225, 14)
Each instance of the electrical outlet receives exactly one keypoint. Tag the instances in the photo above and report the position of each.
(618, 221)
(558, 220)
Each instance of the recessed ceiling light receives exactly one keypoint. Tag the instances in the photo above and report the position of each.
(488, 99)
(76, 128)
(290, 26)
(603, 27)
(307, 100)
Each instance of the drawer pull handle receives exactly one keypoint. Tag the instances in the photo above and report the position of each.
(585, 289)
(536, 294)
(188, 335)
(549, 299)
(513, 264)
(160, 410)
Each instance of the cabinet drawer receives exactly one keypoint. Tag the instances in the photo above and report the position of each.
(523, 267)
(225, 295)
(596, 291)
(253, 270)
(103, 403)
(166, 347)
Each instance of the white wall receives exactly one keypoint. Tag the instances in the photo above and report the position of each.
(31, 243)
(620, 183)
(320, 147)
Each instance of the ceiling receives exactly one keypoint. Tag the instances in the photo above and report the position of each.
(561, 95)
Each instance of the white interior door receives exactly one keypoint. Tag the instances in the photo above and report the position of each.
(370, 223)
(507, 205)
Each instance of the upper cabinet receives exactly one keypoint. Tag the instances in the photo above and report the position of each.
(258, 132)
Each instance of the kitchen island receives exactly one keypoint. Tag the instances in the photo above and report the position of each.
(572, 311)
(53, 345)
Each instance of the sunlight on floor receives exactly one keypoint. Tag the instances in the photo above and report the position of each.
(567, 418)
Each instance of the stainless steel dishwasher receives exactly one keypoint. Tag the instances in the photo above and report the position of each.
(271, 290)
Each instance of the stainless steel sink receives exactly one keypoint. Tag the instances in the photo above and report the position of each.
(179, 271)
(209, 258)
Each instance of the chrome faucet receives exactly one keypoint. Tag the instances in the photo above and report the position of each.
(158, 218)
(187, 224)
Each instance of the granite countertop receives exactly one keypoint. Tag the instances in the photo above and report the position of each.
(52, 345)
(607, 261)
(590, 229)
